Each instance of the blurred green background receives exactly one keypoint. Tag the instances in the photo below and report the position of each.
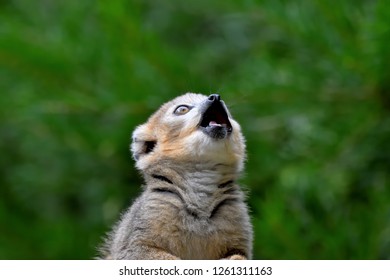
(308, 80)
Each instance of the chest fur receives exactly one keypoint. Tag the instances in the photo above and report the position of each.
(198, 233)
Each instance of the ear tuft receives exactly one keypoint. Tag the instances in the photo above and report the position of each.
(144, 141)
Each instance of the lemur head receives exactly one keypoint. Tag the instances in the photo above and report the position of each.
(190, 128)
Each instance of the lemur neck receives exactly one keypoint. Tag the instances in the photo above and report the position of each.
(193, 173)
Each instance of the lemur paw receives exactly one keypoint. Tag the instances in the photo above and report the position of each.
(235, 257)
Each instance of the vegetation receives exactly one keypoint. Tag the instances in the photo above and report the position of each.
(308, 80)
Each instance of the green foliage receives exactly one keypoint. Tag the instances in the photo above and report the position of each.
(307, 80)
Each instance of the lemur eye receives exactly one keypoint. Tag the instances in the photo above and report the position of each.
(182, 109)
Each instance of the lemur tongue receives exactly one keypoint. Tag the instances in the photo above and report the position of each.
(214, 123)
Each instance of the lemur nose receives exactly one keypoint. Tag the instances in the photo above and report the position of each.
(214, 97)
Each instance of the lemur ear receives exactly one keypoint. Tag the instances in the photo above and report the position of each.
(143, 141)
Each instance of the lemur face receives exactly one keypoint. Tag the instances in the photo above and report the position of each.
(190, 127)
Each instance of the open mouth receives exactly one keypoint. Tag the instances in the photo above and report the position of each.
(215, 121)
